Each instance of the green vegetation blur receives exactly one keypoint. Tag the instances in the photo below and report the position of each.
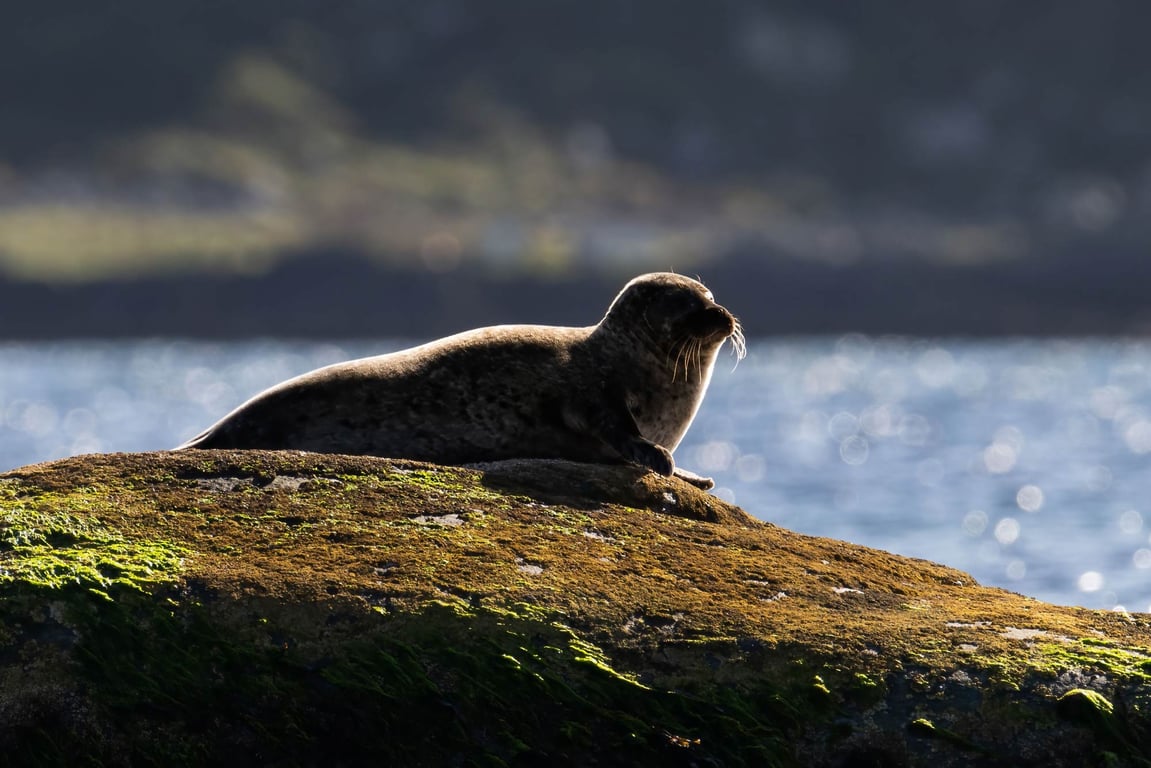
(158, 138)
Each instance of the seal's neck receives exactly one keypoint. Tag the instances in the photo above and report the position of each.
(665, 389)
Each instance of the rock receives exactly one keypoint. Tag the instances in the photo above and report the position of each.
(281, 608)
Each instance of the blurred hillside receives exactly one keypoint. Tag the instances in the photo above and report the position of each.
(970, 167)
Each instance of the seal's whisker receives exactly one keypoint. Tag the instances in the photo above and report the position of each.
(672, 349)
(685, 355)
(738, 344)
(690, 348)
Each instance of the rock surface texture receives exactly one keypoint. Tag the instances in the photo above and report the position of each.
(281, 608)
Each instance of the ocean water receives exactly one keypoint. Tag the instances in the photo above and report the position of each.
(1024, 462)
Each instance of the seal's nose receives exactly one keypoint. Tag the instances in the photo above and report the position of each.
(722, 318)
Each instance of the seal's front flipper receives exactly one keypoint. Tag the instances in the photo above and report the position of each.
(706, 483)
(648, 454)
(613, 424)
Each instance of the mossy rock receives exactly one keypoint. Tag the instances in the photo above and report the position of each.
(282, 608)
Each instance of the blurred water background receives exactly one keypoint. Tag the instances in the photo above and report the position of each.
(1021, 461)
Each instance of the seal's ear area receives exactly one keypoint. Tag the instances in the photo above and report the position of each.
(669, 308)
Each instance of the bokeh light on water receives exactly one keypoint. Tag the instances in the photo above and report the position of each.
(1022, 462)
(67, 399)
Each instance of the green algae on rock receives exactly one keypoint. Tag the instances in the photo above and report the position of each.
(49, 548)
(282, 608)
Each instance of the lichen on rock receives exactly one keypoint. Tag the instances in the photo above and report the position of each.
(281, 607)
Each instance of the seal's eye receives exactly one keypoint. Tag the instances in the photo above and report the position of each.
(708, 295)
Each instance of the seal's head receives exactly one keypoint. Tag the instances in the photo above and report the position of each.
(677, 317)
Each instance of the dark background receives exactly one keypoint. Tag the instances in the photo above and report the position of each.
(293, 168)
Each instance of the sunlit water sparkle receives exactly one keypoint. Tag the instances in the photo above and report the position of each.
(1022, 462)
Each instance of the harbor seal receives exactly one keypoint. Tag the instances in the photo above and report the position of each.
(625, 390)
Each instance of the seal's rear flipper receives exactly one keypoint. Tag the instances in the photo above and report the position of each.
(706, 483)
(202, 440)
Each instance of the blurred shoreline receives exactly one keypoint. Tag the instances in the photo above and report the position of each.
(334, 295)
(230, 170)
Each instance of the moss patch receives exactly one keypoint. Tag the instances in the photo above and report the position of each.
(43, 547)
